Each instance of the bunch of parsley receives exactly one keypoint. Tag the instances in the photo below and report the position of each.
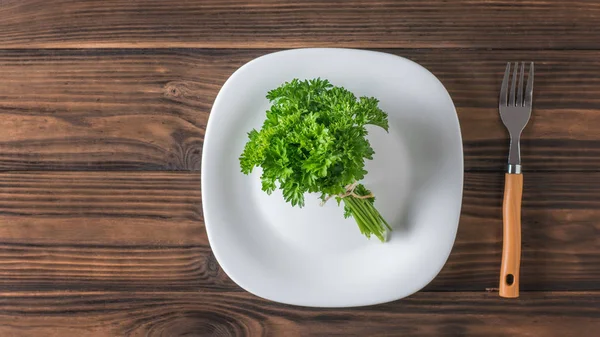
(314, 140)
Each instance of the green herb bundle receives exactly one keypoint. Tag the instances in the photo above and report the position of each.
(314, 140)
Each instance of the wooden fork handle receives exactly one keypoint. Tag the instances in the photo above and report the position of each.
(511, 243)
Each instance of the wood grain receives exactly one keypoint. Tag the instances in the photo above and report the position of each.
(148, 109)
(115, 110)
(143, 231)
(538, 24)
(511, 236)
(241, 314)
(152, 195)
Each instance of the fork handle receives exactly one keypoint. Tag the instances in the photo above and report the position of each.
(511, 243)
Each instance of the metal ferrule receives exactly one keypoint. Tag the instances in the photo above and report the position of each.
(514, 169)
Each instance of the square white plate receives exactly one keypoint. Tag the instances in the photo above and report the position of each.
(313, 256)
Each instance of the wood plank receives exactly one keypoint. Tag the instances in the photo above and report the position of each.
(538, 24)
(144, 195)
(113, 110)
(143, 231)
(148, 109)
(104, 230)
(241, 314)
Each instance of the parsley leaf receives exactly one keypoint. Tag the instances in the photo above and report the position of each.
(314, 140)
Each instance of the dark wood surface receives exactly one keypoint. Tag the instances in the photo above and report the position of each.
(207, 313)
(538, 24)
(103, 108)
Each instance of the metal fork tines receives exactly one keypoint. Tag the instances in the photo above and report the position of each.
(515, 109)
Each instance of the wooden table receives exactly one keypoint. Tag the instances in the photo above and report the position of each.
(104, 106)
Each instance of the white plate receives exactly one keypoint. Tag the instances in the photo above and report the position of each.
(313, 256)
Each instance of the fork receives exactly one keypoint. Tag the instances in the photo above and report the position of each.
(515, 110)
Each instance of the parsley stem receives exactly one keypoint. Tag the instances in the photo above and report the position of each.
(367, 217)
(369, 209)
(365, 212)
(360, 215)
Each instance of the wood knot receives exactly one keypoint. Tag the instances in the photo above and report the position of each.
(186, 92)
(187, 154)
(212, 322)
